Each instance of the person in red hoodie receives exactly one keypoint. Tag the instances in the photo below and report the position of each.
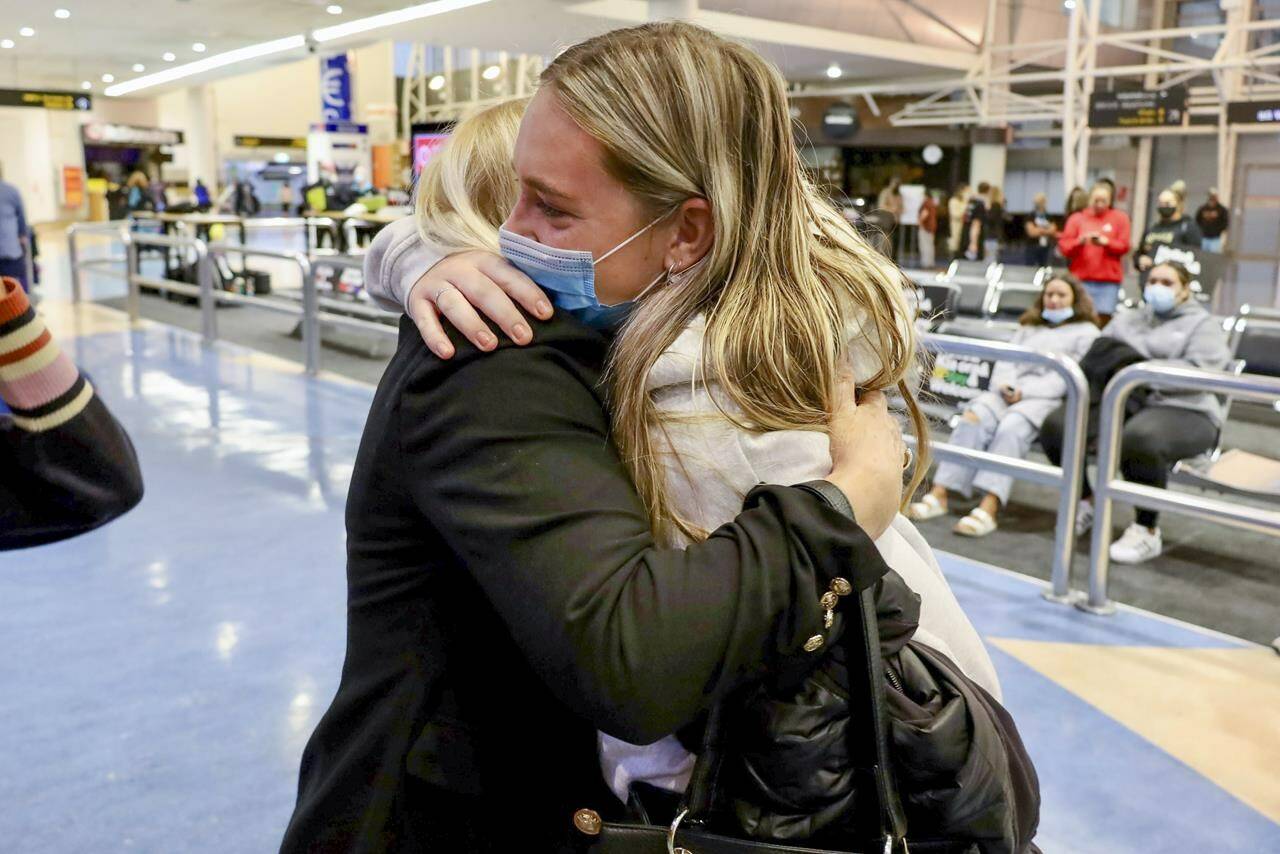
(1094, 241)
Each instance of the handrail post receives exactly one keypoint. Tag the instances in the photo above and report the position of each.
(1110, 423)
(133, 294)
(208, 300)
(310, 316)
(73, 256)
(1073, 461)
(1070, 475)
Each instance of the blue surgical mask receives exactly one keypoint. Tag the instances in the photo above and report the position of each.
(1057, 315)
(569, 276)
(1160, 297)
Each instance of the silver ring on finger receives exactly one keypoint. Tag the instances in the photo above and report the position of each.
(436, 299)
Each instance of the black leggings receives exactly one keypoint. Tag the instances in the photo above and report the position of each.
(1153, 440)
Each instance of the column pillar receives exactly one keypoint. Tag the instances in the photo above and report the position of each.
(200, 137)
(665, 10)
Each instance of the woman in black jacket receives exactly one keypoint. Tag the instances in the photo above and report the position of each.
(506, 598)
(1173, 228)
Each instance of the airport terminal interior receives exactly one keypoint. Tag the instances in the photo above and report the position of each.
(189, 198)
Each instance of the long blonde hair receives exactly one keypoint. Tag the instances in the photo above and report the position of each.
(682, 113)
(470, 186)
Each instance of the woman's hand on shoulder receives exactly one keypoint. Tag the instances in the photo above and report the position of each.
(867, 455)
(458, 285)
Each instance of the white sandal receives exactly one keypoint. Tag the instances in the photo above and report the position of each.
(926, 508)
(977, 524)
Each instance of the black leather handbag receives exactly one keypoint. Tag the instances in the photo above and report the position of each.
(868, 747)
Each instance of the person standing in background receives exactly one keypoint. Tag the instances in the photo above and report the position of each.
(928, 222)
(139, 192)
(1094, 241)
(955, 219)
(1213, 220)
(1077, 200)
(15, 234)
(890, 201)
(201, 192)
(975, 222)
(994, 225)
(1173, 229)
(1042, 231)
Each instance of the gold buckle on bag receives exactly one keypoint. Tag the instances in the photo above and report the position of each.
(671, 835)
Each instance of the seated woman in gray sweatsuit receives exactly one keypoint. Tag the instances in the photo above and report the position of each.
(1006, 419)
(1171, 328)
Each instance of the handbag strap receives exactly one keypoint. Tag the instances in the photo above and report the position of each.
(868, 745)
(865, 663)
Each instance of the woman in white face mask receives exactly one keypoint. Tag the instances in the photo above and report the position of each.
(1171, 328)
(508, 598)
(662, 200)
(1006, 419)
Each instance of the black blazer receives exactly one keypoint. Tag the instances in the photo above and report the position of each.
(506, 600)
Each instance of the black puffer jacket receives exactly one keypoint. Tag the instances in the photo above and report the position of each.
(962, 771)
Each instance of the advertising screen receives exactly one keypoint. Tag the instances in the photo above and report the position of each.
(427, 137)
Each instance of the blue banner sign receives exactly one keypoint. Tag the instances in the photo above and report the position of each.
(335, 88)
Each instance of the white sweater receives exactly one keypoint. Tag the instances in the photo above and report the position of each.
(711, 465)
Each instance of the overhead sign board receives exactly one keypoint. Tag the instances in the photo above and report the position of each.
(45, 100)
(1139, 108)
(271, 142)
(1253, 112)
(335, 88)
(104, 133)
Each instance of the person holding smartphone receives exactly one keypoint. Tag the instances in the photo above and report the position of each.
(1094, 242)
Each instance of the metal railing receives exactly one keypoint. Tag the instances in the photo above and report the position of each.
(308, 308)
(1067, 478)
(114, 228)
(1110, 489)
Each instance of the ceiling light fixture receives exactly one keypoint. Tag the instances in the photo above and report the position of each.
(435, 84)
(218, 60)
(26, 32)
(334, 9)
(61, 14)
(7, 44)
(1068, 4)
(199, 47)
(139, 67)
(108, 78)
(169, 56)
(491, 73)
(833, 71)
(86, 85)
(388, 19)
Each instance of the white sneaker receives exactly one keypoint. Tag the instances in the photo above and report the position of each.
(1136, 545)
(1084, 518)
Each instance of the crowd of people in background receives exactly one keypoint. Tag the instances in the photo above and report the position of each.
(975, 223)
(1078, 314)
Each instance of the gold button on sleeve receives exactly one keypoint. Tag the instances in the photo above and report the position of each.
(841, 586)
(829, 600)
(813, 644)
(588, 821)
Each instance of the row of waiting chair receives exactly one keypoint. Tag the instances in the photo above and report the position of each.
(978, 300)
(974, 299)
(1254, 339)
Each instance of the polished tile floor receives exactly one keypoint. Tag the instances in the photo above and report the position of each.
(159, 677)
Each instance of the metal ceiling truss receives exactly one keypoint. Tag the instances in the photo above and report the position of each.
(461, 87)
(986, 95)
